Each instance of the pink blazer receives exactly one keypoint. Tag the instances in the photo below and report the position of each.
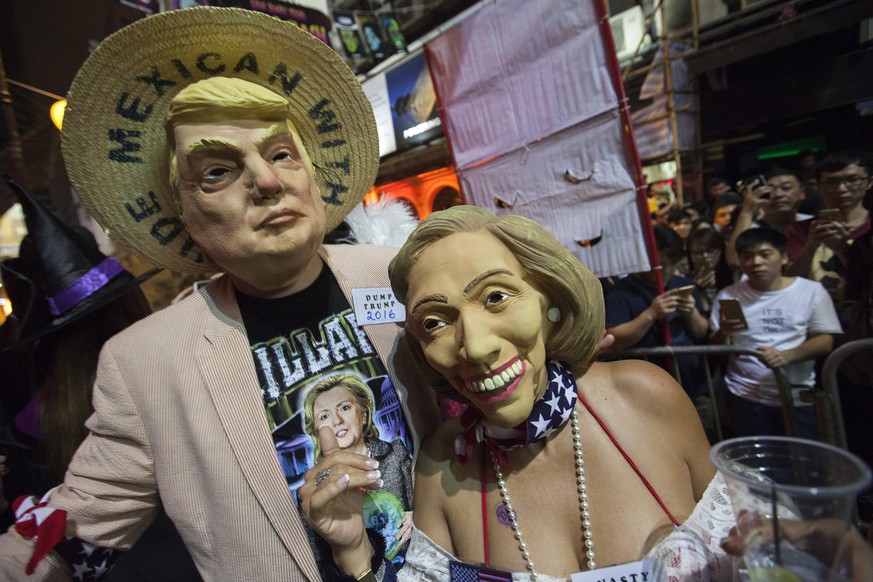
(179, 420)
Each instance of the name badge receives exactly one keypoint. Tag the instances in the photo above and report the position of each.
(377, 305)
(641, 571)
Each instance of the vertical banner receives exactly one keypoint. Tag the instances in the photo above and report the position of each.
(374, 37)
(178, 4)
(532, 108)
(369, 35)
(350, 34)
(147, 6)
(392, 30)
(312, 21)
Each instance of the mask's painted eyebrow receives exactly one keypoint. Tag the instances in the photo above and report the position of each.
(210, 145)
(479, 278)
(440, 298)
(435, 298)
(275, 131)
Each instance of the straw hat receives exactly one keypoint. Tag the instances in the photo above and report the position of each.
(115, 145)
(59, 276)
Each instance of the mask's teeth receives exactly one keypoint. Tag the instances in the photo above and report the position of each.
(498, 380)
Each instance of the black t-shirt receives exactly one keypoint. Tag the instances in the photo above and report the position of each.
(300, 340)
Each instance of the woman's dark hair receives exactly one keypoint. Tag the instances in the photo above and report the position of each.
(70, 359)
(709, 239)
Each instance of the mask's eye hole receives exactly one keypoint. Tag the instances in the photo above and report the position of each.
(496, 298)
(214, 174)
(430, 325)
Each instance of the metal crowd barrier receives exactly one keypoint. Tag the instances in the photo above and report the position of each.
(828, 409)
(829, 400)
(788, 413)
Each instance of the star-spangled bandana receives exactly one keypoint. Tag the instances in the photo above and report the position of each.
(549, 413)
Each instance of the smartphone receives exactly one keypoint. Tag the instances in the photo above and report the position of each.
(732, 309)
(752, 183)
(832, 214)
(686, 290)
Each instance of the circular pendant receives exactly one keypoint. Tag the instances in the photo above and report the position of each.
(503, 514)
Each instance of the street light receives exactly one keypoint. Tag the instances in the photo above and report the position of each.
(56, 112)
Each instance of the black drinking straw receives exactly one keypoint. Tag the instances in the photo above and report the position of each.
(775, 524)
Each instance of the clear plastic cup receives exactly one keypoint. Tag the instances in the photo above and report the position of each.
(793, 500)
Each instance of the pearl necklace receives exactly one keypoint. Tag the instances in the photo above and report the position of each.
(584, 512)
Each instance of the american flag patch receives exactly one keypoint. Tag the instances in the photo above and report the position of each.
(460, 572)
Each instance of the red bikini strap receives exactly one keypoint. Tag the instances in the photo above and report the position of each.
(629, 461)
(482, 476)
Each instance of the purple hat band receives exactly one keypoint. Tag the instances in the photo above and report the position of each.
(86, 286)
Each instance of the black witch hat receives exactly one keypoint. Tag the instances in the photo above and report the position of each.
(59, 276)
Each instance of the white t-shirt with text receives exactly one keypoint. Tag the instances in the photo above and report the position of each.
(783, 319)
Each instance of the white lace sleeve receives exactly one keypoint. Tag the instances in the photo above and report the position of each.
(425, 560)
(693, 551)
(428, 562)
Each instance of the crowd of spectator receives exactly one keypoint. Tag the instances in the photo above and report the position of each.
(791, 244)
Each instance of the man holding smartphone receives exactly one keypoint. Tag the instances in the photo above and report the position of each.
(817, 248)
(770, 200)
(636, 315)
(789, 320)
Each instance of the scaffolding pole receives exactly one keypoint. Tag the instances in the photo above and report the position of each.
(16, 156)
